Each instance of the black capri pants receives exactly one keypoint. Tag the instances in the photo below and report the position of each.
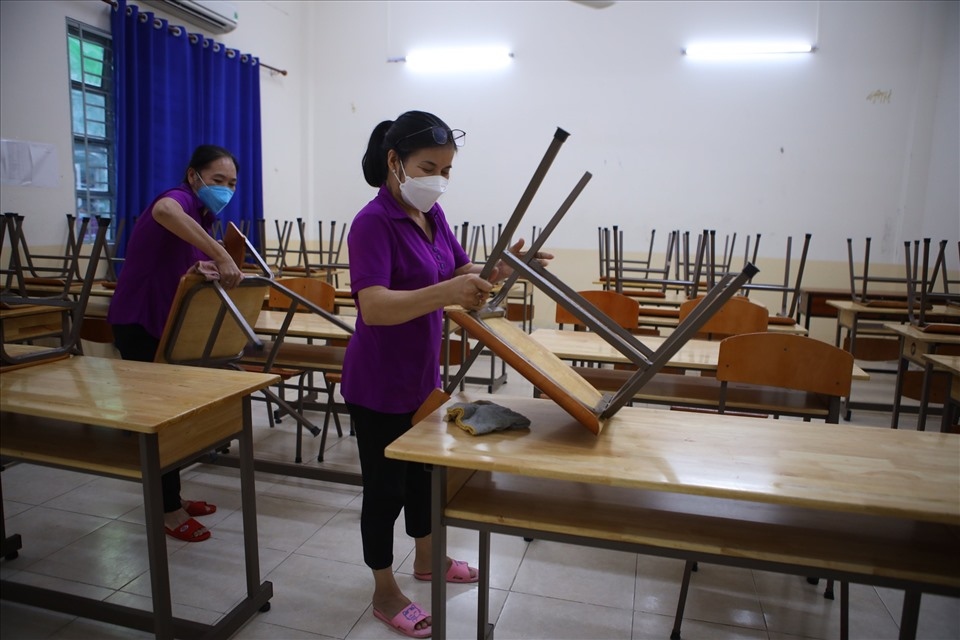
(135, 343)
(388, 485)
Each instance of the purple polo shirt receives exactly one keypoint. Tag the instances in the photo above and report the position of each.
(392, 369)
(155, 261)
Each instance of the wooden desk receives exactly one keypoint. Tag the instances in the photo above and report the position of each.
(650, 297)
(671, 322)
(852, 316)
(303, 325)
(914, 346)
(813, 301)
(862, 504)
(134, 421)
(858, 318)
(950, 364)
(29, 322)
(583, 345)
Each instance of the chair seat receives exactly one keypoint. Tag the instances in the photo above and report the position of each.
(785, 321)
(660, 312)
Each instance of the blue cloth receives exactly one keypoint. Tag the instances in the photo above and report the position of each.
(483, 416)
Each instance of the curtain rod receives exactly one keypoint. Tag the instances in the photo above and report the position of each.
(283, 72)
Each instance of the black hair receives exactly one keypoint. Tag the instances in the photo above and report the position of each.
(410, 132)
(205, 155)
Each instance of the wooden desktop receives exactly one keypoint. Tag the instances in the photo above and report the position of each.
(866, 505)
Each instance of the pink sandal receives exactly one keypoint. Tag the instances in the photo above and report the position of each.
(407, 620)
(459, 572)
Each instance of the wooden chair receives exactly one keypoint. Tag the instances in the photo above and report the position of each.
(274, 255)
(788, 287)
(531, 359)
(211, 327)
(59, 311)
(860, 283)
(737, 315)
(796, 363)
(328, 360)
(327, 263)
(286, 358)
(621, 309)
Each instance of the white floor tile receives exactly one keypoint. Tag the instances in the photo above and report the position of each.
(532, 617)
(578, 574)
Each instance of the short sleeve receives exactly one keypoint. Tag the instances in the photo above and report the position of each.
(370, 247)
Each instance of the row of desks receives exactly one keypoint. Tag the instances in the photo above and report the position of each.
(861, 504)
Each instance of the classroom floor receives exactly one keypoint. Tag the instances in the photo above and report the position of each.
(84, 535)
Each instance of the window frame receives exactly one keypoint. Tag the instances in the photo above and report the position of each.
(90, 193)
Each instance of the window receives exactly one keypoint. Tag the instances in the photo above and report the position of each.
(91, 109)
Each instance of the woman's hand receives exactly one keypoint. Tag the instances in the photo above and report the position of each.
(503, 271)
(230, 274)
(470, 291)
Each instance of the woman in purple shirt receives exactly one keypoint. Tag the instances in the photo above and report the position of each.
(171, 235)
(405, 266)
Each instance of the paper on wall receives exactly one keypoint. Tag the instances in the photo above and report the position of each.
(28, 164)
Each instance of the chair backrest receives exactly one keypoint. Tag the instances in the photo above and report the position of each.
(737, 315)
(320, 293)
(788, 361)
(209, 326)
(623, 310)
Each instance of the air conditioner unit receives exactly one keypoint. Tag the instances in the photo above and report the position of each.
(215, 16)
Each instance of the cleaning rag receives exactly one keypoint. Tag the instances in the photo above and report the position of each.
(483, 416)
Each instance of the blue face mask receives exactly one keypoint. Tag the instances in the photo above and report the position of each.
(216, 197)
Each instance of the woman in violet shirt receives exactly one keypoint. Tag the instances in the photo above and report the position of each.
(405, 266)
(171, 235)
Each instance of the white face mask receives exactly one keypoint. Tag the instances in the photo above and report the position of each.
(421, 193)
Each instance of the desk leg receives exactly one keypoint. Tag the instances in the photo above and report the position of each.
(925, 398)
(438, 556)
(445, 350)
(10, 546)
(156, 540)
(484, 628)
(902, 365)
(248, 504)
(910, 615)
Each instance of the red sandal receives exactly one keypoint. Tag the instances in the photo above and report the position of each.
(196, 508)
(189, 531)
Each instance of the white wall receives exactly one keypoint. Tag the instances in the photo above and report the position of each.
(671, 143)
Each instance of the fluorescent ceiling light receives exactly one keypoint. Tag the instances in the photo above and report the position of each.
(726, 50)
(458, 59)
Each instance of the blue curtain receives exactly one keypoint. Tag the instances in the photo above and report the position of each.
(174, 91)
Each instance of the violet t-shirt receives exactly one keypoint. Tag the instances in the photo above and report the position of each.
(155, 261)
(392, 369)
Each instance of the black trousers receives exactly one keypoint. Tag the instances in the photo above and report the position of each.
(389, 486)
(134, 343)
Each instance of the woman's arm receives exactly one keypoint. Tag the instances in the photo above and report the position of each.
(503, 271)
(171, 216)
(382, 306)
